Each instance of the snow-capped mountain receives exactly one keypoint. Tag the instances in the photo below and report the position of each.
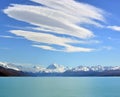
(50, 69)
(9, 66)
(116, 68)
(55, 68)
(80, 68)
(97, 68)
(39, 69)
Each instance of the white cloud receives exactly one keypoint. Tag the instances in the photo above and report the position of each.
(10, 37)
(51, 40)
(107, 47)
(68, 48)
(40, 16)
(4, 36)
(115, 28)
(59, 17)
(45, 47)
(43, 37)
(74, 8)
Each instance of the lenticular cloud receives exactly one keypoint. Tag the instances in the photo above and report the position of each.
(58, 17)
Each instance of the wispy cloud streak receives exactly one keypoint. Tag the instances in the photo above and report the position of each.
(115, 28)
(63, 17)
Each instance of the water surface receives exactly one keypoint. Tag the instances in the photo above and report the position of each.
(59, 87)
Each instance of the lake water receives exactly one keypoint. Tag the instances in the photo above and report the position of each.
(60, 87)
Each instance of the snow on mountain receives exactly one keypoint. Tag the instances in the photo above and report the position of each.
(81, 68)
(97, 68)
(116, 68)
(33, 69)
(55, 68)
(39, 69)
(9, 66)
(50, 69)
(16, 67)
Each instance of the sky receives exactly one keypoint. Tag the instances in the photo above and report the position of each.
(66, 32)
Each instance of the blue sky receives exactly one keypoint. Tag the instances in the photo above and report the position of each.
(66, 32)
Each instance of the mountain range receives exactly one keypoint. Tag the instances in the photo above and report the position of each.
(9, 69)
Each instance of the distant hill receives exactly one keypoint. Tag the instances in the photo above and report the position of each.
(10, 72)
(8, 69)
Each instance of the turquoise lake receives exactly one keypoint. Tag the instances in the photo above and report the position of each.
(59, 87)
